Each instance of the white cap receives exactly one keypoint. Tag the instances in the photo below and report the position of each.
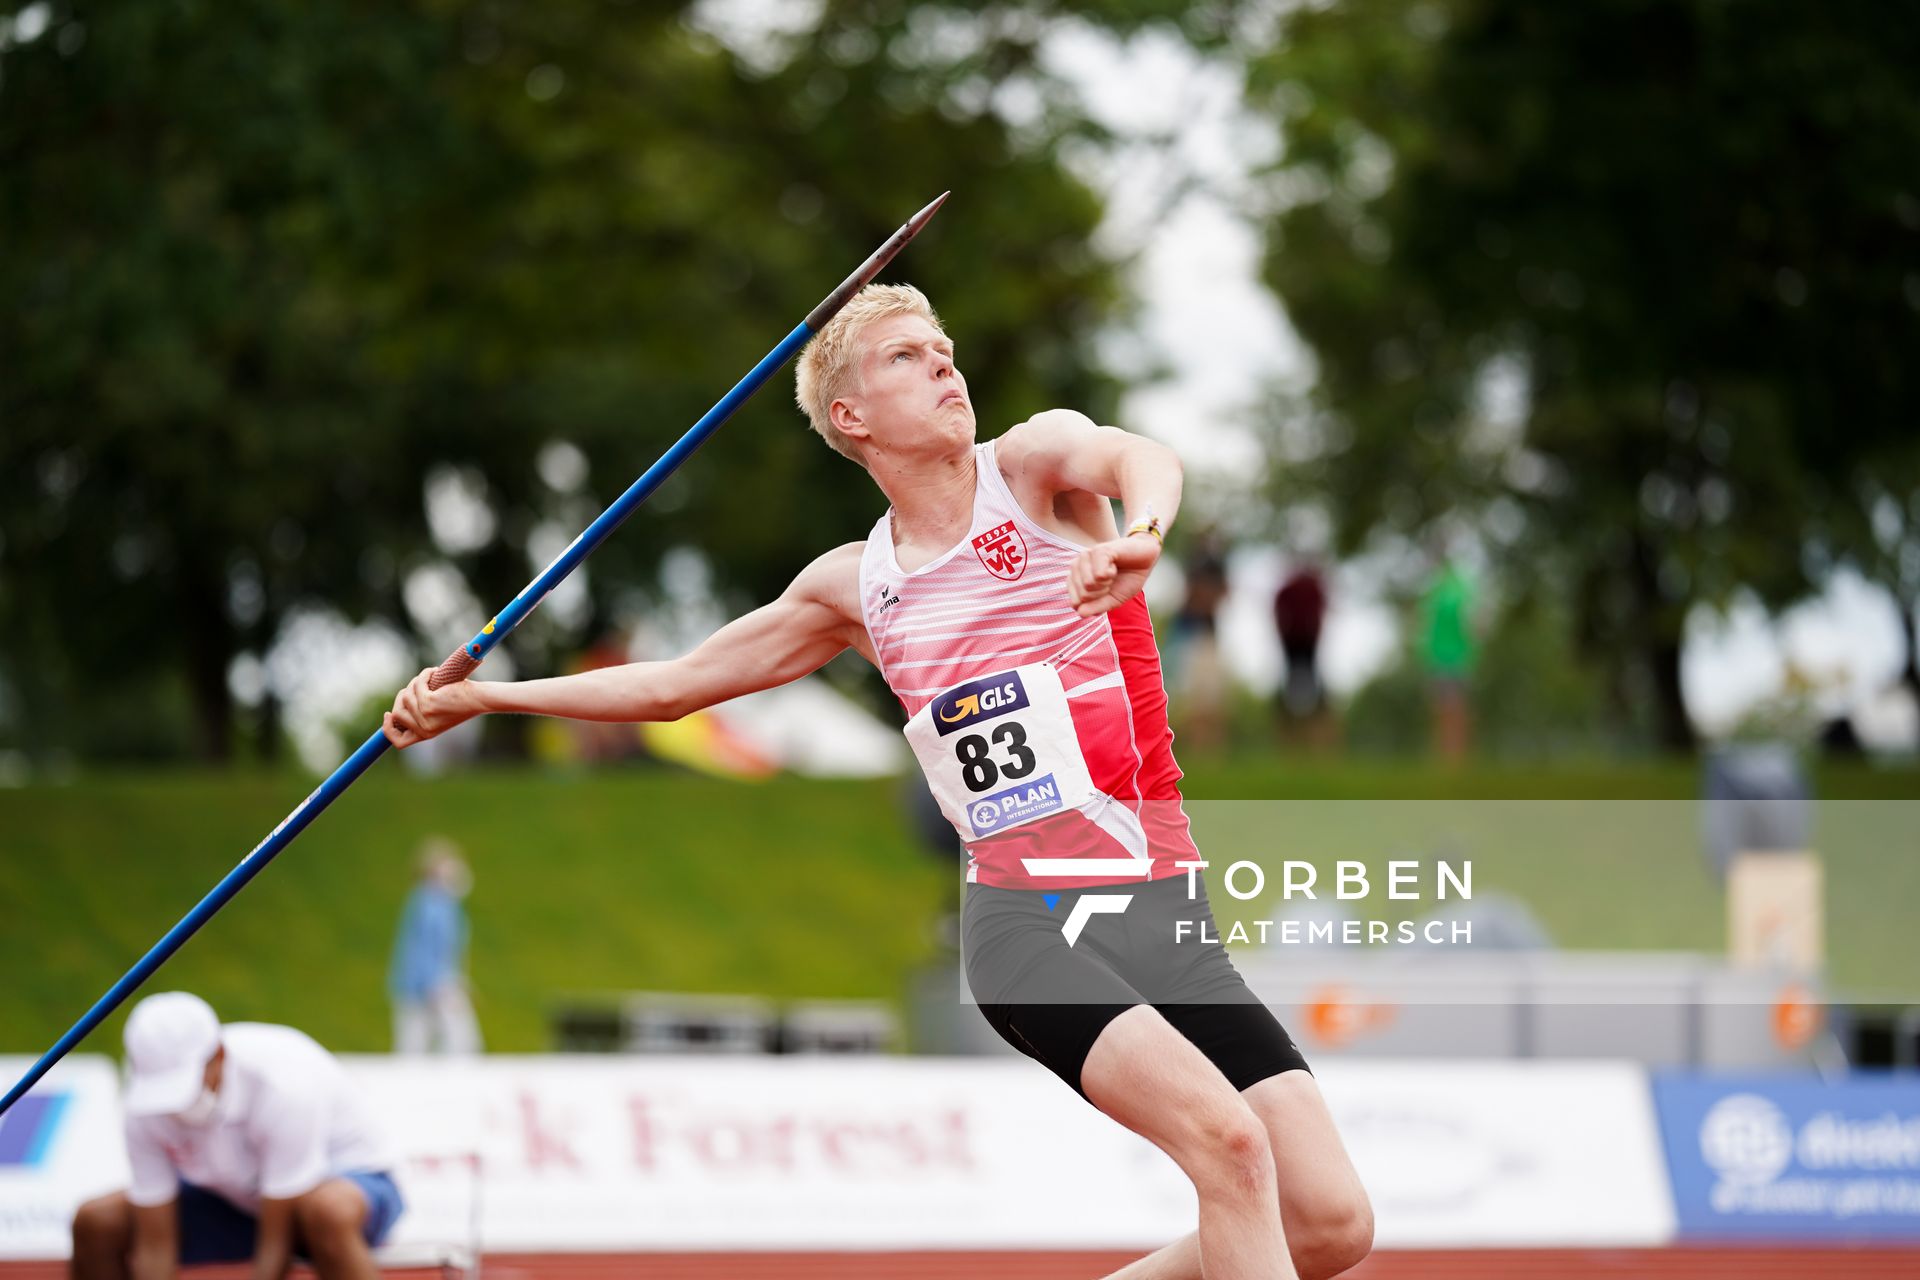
(170, 1039)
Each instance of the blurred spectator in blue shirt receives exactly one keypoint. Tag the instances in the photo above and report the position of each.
(431, 1008)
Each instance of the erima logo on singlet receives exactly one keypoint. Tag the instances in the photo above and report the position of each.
(977, 700)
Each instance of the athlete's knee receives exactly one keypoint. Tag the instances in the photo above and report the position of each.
(1230, 1154)
(1337, 1236)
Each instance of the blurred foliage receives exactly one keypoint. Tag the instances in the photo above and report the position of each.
(1633, 286)
(1629, 287)
(272, 268)
(1529, 703)
(1874, 525)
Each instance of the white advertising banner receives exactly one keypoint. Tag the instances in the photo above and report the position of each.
(990, 1153)
(684, 1153)
(603, 1154)
(1473, 1154)
(60, 1145)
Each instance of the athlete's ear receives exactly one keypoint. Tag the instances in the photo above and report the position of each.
(847, 420)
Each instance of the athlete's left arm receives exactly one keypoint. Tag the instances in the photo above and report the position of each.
(1061, 452)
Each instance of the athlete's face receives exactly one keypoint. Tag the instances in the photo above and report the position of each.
(910, 397)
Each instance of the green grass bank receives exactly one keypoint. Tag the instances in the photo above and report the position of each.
(647, 879)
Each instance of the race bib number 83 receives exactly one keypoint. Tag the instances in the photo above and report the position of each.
(1001, 750)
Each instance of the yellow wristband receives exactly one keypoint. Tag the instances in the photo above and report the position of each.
(1148, 524)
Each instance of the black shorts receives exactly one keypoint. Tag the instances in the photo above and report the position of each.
(1051, 1001)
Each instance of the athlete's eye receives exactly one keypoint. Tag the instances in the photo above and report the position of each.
(902, 355)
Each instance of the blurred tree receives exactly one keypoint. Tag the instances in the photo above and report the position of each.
(1633, 285)
(280, 269)
(200, 205)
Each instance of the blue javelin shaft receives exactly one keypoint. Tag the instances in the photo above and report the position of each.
(464, 659)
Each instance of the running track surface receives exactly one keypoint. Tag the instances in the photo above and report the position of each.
(1459, 1264)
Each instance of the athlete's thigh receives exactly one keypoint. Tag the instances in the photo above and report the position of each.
(1046, 998)
(1318, 1183)
(1145, 1074)
(1196, 988)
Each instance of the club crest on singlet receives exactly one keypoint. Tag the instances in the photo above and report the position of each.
(1003, 551)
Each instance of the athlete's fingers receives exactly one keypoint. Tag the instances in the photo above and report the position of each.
(424, 696)
(1082, 576)
(1101, 569)
(1092, 573)
(396, 733)
(1088, 576)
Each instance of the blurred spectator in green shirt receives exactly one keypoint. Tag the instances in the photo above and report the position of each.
(1447, 651)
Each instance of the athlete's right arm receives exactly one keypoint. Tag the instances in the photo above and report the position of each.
(816, 618)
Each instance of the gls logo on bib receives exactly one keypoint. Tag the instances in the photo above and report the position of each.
(978, 700)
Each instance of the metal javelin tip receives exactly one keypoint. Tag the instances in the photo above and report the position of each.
(921, 218)
(818, 317)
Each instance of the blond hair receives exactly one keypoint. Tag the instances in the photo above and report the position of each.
(830, 363)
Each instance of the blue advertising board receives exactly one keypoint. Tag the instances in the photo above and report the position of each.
(1788, 1157)
(26, 1132)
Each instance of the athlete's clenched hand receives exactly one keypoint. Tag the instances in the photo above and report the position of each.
(420, 713)
(1108, 574)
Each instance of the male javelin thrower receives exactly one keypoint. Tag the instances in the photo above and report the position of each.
(1002, 603)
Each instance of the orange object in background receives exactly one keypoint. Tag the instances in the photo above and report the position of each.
(703, 742)
(1335, 1020)
(1796, 1016)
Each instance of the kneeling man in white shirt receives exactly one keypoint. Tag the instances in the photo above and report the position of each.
(247, 1142)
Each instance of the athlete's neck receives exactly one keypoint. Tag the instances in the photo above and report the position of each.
(932, 501)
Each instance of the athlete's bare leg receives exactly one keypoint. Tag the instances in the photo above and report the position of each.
(1328, 1219)
(1153, 1080)
(1328, 1216)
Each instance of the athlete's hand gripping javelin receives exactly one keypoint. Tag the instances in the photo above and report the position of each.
(420, 712)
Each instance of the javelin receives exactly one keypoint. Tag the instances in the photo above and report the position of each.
(461, 662)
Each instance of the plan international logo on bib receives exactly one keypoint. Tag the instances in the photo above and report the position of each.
(978, 700)
(1015, 804)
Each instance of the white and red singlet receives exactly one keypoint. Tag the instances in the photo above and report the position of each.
(1043, 734)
